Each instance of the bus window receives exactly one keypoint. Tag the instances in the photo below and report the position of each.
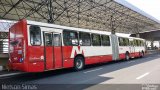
(126, 41)
(96, 41)
(70, 38)
(105, 40)
(131, 43)
(139, 43)
(35, 35)
(84, 39)
(121, 41)
(48, 39)
(142, 43)
(56, 40)
(135, 42)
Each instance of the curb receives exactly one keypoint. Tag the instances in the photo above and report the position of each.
(10, 74)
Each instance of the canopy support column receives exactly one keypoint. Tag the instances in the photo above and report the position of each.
(112, 25)
(50, 12)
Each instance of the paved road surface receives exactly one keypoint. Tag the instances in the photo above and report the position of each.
(112, 75)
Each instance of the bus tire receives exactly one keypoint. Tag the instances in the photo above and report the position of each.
(127, 56)
(79, 63)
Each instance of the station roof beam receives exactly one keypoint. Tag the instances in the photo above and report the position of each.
(107, 15)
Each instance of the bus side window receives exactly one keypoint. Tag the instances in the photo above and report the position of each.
(120, 41)
(105, 40)
(127, 42)
(135, 42)
(96, 41)
(84, 39)
(138, 42)
(131, 43)
(123, 41)
(70, 38)
(35, 35)
(143, 43)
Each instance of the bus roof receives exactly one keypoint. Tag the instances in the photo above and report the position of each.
(73, 28)
(65, 27)
(130, 37)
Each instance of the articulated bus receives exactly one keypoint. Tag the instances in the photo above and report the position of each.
(37, 47)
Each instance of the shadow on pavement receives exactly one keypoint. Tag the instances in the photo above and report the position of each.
(67, 78)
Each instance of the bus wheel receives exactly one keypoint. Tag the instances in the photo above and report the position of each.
(79, 63)
(127, 56)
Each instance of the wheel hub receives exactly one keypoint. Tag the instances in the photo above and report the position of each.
(79, 64)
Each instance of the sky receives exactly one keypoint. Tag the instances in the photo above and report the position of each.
(151, 7)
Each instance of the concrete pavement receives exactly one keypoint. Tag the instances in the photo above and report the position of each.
(112, 75)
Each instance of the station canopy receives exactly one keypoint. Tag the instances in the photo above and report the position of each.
(107, 15)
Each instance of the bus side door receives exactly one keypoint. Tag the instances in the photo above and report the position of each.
(52, 50)
(57, 47)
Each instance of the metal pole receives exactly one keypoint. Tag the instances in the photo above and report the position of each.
(112, 25)
(78, 12)
(50, 10)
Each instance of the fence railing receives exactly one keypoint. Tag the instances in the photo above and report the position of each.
(3, 46)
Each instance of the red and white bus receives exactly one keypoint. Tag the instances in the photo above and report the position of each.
(37, 47)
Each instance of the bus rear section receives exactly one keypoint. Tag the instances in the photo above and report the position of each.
(131, 47)
(16, 46)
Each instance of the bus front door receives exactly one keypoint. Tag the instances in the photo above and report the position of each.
(52, 50)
